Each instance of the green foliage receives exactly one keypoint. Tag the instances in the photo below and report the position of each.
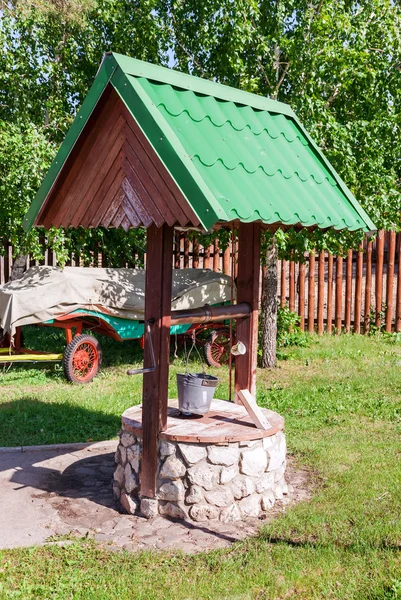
(289, 332)
(50, 51)
(335, 62)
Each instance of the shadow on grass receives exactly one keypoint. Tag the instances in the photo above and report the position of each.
(26, 422)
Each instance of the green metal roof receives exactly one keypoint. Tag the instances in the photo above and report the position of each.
(235, 155)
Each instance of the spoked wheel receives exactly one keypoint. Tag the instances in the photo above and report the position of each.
(82, 359)
(217, 348)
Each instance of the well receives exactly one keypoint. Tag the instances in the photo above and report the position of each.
(218, 466)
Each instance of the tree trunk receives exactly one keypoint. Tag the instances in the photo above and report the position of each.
(19, 267)
(269, 309)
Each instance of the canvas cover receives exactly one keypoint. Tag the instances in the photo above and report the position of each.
(45, 293)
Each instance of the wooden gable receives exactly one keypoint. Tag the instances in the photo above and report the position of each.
(114, 178)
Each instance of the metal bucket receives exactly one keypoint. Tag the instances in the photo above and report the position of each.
(195, 392)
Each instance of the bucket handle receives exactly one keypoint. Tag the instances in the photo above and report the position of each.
(152, 353)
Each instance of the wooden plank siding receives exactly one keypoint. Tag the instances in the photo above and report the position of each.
(114, 178)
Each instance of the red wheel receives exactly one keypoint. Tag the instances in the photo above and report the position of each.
(217, 348)
(82, 359)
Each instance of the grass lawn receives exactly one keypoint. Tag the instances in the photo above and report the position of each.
(341, 399)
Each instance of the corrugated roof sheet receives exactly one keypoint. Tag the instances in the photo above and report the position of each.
(234, 155)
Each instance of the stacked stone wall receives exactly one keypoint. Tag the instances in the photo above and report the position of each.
(201, 482)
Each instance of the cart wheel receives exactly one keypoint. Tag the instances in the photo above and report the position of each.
(82, 359)
(217, 348)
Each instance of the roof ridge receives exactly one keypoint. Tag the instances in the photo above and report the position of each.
(138, 68)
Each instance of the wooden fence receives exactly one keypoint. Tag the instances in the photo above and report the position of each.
(331, 294)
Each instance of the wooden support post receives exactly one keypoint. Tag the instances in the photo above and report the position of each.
(390, 281)
(301, 298)
(311, 293)
(248, 290)
(320, 294)
(159, 251)
(358, 290)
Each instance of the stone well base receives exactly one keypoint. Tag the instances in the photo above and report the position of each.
(200, 481)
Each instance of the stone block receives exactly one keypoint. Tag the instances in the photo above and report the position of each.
(242, 486)
(192, 453)
(149, 508)
(130, 479)
(119, 475)
(268, 442)
(265, 482)
(276, 457)
(253, 461)
(223, 455)
(166, 449)
(204, 475)
(228, 473)
(172, 510)
(172, 468)
(221, 496)
(195, 495)
(230, 514)
(250, 506)
(173, 491)
(123, 455)
(203, 512)
(268, 501)
(128, 503)
(278, 474)
(127, 439)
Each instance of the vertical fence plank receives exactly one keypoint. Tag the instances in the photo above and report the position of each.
(379, 276)
(390, 280)
(330, 262)
(227, 260)
(398, 301)
(195, 253)
(339, 294)
(186, 251)
(358, 290)
(216, 256)
(301, 298)
(311, 293)
(368, 287)
(292, 286)
(348, 292)
(320, 294)
(206, 257)
(177, 253)
(283, 286)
